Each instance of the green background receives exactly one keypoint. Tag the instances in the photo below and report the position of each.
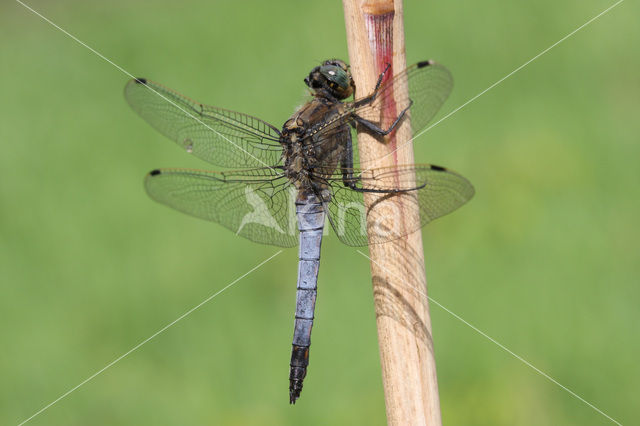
(544, 259)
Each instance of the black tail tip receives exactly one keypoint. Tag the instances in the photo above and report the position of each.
(294, 394)
(140, 80)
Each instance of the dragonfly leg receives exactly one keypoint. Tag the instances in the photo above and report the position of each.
(376, 129)
(372, 97)
(387, 191)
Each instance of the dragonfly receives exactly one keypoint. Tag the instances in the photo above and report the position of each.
(283, 184)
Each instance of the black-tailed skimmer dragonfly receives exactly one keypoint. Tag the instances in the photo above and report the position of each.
(291, 179)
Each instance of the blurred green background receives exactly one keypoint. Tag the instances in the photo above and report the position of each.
(544, 259)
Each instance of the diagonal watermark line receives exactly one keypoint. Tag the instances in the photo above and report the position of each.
(491, 339)
(64, 395)
(131, 76)
(501, 80)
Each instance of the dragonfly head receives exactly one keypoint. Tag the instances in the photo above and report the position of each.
(334, 77)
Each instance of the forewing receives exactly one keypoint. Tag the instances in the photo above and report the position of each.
(432, 190)
(429, 86)
(254, 204)
(219, 136)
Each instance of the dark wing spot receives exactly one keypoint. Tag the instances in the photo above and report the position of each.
(425, 63)
(156, 172)
(438, 168)
(141, 80)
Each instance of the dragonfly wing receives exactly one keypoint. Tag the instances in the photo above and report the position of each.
(255, 204)
(433, 190)
(219, 136)
(429, 86)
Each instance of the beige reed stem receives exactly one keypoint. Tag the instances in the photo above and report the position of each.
(375, 36)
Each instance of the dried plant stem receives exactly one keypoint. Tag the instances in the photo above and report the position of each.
(375, 36)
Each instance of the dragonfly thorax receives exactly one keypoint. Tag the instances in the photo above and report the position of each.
(309, 153)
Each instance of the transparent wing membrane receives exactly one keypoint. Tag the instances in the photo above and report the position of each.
(219, 136)
(254, 204)
(429, 85)
(433, 190)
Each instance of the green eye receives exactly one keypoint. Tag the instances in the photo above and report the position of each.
(336, 75)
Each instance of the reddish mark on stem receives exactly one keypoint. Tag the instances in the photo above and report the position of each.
(378, 17)
(380, 31)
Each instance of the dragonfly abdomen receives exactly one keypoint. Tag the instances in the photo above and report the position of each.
(311, 216)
